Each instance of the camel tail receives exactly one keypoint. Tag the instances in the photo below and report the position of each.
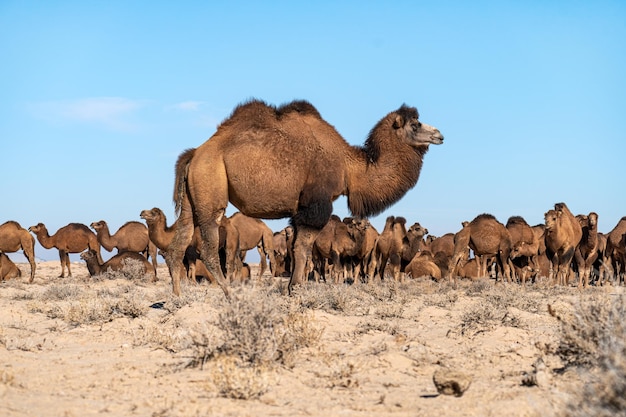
(180, 182)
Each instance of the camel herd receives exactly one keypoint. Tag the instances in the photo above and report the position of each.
(287, 161)
(351, 250)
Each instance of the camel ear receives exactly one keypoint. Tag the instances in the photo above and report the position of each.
(398, 122)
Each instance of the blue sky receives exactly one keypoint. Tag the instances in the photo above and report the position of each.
(99, 98)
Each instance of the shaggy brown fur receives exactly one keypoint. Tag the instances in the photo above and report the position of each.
(117, 263)
(132, 236)
(14, 237)
(487, 238)
(296, 165)
(8, 269)
(413, 243)
(563, 232)
(73, 238)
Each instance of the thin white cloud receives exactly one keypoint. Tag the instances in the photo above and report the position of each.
(188, 105)
(110, 112)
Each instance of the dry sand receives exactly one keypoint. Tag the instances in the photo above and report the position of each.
(373, 359)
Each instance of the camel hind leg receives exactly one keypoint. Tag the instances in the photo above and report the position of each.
(210, 247)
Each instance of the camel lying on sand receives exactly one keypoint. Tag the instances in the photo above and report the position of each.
(8, 269)
(118, 263)
(131, 236)
(275, 162)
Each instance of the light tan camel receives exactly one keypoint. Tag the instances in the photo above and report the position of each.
(423, 264)
(8, 269)
(281, 162)
(587, 250)
(563, 232)
(132, 236)
(254, 233)
(118, 263)
(616, 248)
(488, 239)
(14, 237)
(73, 238)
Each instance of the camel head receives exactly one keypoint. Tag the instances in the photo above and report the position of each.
(552, 217)
(39, 227)
(152, 215)
(592, 218)
(517, 250)
(418, 230)
(408, 127)
(88, 254)
(98, 225)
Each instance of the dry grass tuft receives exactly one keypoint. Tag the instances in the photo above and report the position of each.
(593, 339)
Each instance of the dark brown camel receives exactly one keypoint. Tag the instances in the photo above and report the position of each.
(364, 261)
(587, 250)
(336, 241)
(616, 249)
(117, 263)
(73, 238)
(8, 269)
(413, 243)
(254, 233)
(488, 239)
(390, 246)
(14, 237)
(525, 246)
(281, 162)
(281, 256)
(132, 236)
(563, 232)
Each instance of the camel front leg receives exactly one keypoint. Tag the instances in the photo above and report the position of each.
(62, 258)
(302, 248)
(209, 250)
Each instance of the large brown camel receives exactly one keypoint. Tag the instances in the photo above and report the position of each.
(563, 232)
(162, 235)
(14, 237)
(616, 248)
(73, 238)
(132, 236)
(8, 269)
(281, 162)
(117, 263)
(488, 239)
(254, 233)
(587, 250)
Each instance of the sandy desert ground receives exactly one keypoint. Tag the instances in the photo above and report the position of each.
(123, 346)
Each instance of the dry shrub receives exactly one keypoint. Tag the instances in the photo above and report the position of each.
(79, 306)
(486, 314)
(594, 340)
(171, 336)
(132, 270)
(238, 380)
(253, 328)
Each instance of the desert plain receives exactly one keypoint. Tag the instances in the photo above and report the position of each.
(120, 345)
